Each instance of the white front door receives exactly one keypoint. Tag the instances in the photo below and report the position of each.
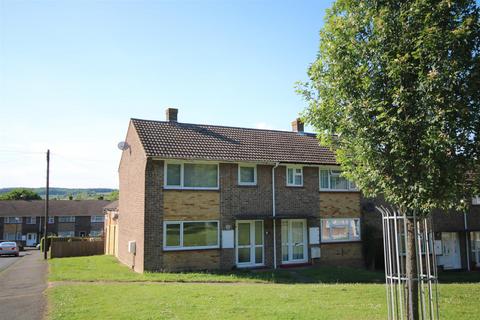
(31, 239)
(249, 243)
(294, 241)
(450, 259)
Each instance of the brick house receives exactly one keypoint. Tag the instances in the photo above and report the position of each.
(457, 236)
(214, 197)
(23, 220)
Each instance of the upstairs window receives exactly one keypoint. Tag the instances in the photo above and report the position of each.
(339, 230)
(247, 174)
(13, 220)
(333, 181)
(96, 219)
(51, 220)
(184, 175)
(66, 219)
(294, 176)
(31, 220)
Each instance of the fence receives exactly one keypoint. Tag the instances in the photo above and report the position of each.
(76, 247)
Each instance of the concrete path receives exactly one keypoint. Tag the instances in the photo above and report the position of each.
(21, 287)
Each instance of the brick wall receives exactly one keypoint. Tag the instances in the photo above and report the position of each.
(190, 260)
(341, 205)
(299, 201)
(132, 201)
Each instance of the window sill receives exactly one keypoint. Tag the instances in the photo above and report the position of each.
(294, 186)
(339, 190)
(190, 249)
(340, 241)
(191, 189)
(247, 185)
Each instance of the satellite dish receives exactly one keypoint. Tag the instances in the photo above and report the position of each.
(122, 145)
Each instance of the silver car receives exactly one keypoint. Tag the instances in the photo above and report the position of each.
(9, 248)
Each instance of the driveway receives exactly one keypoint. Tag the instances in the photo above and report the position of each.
(22, 282)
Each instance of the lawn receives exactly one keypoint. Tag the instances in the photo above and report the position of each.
(123, 294)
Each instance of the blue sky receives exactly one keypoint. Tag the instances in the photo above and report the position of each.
(73, 72)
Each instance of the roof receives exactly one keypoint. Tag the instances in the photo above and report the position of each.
(174, 140)
(26, 208)
(111, 206)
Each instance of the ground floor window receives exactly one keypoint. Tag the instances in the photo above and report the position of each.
(338, 230)
(66, 234)
(250, 239)
(11, 236)
(185, 235)
(475, 245)
(96, 233)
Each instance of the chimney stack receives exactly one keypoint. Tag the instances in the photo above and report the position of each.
(171, 114)
(297, 125)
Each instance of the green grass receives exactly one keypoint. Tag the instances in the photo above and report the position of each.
(107, 268)
(110, 290)
(242, 301)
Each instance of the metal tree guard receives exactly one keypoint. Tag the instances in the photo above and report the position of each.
(395, 239)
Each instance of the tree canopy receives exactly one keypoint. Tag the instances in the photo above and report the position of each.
(395, 91)
(20, 194)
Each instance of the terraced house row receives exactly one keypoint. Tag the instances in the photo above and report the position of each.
(23, 220)
(215, 197)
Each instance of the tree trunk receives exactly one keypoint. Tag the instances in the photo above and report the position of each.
(411, 271)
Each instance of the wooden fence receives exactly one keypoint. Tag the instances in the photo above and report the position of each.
(76, 247)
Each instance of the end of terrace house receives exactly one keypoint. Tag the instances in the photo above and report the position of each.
(204, 197)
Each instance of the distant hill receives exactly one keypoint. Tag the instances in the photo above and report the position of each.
(64, 193)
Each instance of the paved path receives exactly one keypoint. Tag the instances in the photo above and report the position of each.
(6, 261)
(21, 287)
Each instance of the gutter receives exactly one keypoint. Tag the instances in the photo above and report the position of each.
(274, 221)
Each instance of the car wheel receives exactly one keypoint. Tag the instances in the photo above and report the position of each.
(17, 254)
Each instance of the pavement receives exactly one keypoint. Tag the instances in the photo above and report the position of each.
(22, 283)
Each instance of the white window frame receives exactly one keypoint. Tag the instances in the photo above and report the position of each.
(293, 167)
(350, 188)
(16, 220)
(181, 186)
(31, 220)
(247, 165)
(476, 201)
(181, 247)
(95, 220)
(350, 233)
(51, 220)
(251, 246)
(71, 219)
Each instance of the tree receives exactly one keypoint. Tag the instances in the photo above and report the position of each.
(20, 194)
(395, 91)
(112, 196)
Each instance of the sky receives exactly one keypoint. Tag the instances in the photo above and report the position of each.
(72, 74)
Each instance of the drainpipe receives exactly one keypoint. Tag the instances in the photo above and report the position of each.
(274, 221)
(466, 240)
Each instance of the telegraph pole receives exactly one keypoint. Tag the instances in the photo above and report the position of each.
(45, 226)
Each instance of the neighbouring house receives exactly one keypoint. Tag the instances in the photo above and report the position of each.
(457, 236)
(111, 228)
(23, 220)
(215, 197)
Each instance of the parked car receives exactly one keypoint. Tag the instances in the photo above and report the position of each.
(9, 248)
